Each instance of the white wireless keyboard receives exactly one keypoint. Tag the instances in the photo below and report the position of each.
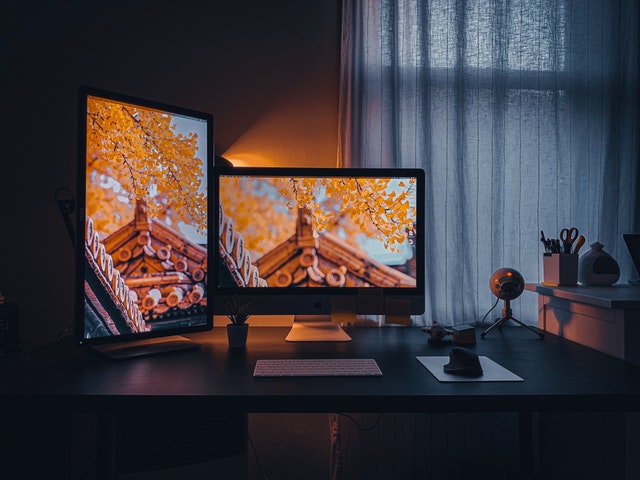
(317, 367)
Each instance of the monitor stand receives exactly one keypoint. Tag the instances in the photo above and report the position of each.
(316, 328)
(146, 347)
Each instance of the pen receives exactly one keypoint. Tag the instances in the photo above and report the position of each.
(548, 243)
(544, 242)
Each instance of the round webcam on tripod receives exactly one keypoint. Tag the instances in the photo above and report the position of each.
(506, 283)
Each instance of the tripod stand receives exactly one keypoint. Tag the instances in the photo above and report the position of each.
(507, 315)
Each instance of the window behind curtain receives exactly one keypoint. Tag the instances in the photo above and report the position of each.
(524, 115)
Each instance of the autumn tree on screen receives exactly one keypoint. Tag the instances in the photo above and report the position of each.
(378, 208)
(135, 153)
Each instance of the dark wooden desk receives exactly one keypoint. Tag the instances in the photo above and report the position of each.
(559, 376)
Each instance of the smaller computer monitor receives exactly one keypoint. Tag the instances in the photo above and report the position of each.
(143, 224)
(320, 241)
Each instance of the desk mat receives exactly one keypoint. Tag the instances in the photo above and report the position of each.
(492, 372)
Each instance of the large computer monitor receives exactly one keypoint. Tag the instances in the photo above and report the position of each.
(323, 244)
(143, 224)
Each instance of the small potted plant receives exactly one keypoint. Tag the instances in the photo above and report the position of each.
(238, 313)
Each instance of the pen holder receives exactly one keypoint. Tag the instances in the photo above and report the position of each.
(560, 269)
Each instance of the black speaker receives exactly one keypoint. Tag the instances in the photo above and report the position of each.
(9, 329)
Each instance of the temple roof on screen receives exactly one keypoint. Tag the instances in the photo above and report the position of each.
(165, 271)
(322, 260)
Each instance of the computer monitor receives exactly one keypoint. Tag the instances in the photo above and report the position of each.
(323, 244)
(143, 224)
(632, 241)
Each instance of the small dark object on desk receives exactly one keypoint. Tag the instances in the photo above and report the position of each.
(437, 334)
(463, 334)
(463, 362)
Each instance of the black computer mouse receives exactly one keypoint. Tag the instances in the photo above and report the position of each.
(463, 362)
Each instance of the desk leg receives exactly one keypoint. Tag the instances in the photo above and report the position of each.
(525, 429)
(106, 461)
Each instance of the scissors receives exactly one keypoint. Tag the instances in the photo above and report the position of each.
(568, 236)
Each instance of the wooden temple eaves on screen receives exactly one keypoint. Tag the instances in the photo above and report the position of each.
(165, 273)
(305, 260)
(110, 308)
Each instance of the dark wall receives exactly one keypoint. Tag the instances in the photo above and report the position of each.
(268, 71)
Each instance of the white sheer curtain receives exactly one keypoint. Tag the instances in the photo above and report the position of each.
(523, 113)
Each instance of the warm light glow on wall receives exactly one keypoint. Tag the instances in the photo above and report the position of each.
(299, 131)
(248, 159)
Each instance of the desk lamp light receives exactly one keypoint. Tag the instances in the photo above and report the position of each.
(507, 284)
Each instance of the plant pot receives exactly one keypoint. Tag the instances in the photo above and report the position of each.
(237, 335)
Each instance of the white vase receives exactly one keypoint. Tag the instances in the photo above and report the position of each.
(597, 268)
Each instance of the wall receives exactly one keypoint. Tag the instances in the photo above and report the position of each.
(268, 71)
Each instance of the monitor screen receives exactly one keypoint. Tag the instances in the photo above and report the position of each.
(143, 222)
(304, 241)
